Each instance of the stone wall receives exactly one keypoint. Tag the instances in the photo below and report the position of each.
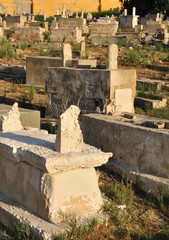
(128, 21)
(67, 35)
(15, 6)
(35, 68)
(69, 23)
(89, 89)
(143, 149)
(29, 34)
(14, 20)
(100, 30)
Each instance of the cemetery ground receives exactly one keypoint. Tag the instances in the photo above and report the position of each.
(130, 214)
(150, 61)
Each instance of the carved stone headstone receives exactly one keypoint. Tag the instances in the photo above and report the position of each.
(11, 122)
(69, 137)
(112, 55)
(67, 55)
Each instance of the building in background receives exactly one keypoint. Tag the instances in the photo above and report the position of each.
(50, 7)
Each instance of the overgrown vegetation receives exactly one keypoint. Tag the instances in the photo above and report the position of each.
(21, 232)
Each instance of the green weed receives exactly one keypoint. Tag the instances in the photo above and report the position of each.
(77, 231)
(24, 45)
(4, 40)
(41, 51)
(123, 42)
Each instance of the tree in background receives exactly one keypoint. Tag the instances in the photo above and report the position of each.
(144, 7)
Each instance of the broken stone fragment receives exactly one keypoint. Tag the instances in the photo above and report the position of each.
(69, 137)
(154, 124)
(130, 116)
(11, 121)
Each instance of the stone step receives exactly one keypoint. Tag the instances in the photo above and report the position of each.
(146, 103)
(148, 183)
(145, 84)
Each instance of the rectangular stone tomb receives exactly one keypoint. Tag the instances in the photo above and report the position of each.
(45, 181)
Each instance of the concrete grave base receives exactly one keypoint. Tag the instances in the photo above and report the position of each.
(48, 182)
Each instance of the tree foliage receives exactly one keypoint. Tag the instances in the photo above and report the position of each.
(147, 6)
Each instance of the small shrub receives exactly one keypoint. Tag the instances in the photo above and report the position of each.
(123, 42)
(24, 45)
(13, 88)
(41, 51)
(77, 231)
(11, 52)
(2, 52)
(64, 39)
(4, 40)
(18, 37)
(32, 92)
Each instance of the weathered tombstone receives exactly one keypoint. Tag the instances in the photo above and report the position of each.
(44, 17)
(64, 11)
(4, 24)
(82, 14)
(111, 11)
(158, 17)
(67, 55)
(83, 48)
(77, 15)
(46, 26)
(134, 11)
(29, 18)
(125, 12)
(69, 137)
(57, 12)
(0, 20)
(89, 16)
(11, 122)
(112, 55)
(33, 18)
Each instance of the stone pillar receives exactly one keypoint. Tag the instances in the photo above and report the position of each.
(77, 15)
(82, 14)
(29, 18)
(112, 55)
(4, 24)
(54, 19)
(0, 20)
(118, 10)
(46, 26)
(57, 12)
(67, 55)
(64, 11)
(125, 12)
(157, 17)
(44, 17)
(33, 18)
(134, 11)
(83, 48)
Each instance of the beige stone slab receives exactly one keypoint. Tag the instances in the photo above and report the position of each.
(37, 148)
(123, 98)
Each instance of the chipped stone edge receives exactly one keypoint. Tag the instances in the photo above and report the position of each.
(12, 212)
